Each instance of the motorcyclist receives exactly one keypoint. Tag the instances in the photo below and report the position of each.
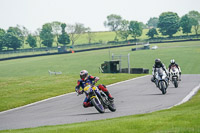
(172, 64)
(158, 64)
(88, 79)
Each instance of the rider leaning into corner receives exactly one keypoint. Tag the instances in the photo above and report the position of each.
(88, 79)
(158, 64)
(172, 64)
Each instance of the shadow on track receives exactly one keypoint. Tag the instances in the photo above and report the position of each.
(88, 114)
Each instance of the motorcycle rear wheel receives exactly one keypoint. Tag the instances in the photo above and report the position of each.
(175, 84)
(112, 107)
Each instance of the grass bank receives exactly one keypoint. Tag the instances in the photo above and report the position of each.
(17, 92)
(23, 81)
(180, 119)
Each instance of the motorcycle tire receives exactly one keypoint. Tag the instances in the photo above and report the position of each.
(97, 104)
(163, 87)
(112, 107)
(175, 84)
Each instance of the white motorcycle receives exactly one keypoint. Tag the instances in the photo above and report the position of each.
(174, 76)
(161, 80)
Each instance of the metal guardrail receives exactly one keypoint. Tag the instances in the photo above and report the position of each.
(84, 47)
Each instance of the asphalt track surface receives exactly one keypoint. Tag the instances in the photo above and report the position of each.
(135, 96)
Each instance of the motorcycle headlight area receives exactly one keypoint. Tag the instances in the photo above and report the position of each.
(174, 73)
(87, 89)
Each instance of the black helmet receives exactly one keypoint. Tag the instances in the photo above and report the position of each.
(157, 61)
(83, 74)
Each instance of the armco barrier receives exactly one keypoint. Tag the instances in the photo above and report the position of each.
(124, 45)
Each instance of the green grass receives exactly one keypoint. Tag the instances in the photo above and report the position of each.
(180, 119)
(110, 35)
(24, 81)
(99, 37)
(15, 92)
(106, 36)
(91, 60)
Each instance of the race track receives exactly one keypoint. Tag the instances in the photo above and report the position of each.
(135, 96)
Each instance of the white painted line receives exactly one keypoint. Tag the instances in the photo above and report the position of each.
(189, 96)
(28, 105)
(127, 80)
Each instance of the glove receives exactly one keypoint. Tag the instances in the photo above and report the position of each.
(96, 79)
(78, 91)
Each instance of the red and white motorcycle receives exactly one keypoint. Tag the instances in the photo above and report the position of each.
(174, 76)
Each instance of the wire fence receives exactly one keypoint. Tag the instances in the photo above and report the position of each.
(24, 52)
(45, 50)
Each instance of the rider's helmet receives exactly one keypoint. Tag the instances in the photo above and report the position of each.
(157, 61)
(172, 61)
(84, 74)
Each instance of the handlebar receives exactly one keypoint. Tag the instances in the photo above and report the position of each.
(93, 83)
(81, 92)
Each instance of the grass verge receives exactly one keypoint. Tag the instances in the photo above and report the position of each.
(25, 81)
(180, 119)
(21, 91)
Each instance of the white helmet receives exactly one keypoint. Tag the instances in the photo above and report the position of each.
(172, 61)
(83, 74)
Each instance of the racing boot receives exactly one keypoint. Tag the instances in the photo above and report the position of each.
(105, 90)
(87, 104)
(153, 79)
(179, 76)
(110, 98)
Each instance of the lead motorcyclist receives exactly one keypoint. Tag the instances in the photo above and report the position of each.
(88, 79)
(158, 64)
(172, 64)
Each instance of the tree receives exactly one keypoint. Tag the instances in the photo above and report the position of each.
(16, 31)
(46, 35)
(144, 26)
(64, 37)
(31, 40)
(124, 31)
(195, 19)
(76, 31)
(135, 29)
(152, 22)
(37, 34)
(152, 32)
(90, 36)
(13, 38)
(168, 23)
(24, 33)
(196, 25)
(56, 27)
(2, 35)
(186, 24)
(12, 41)
(113, 22)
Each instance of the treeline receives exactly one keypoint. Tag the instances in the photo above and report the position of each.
(168, 24)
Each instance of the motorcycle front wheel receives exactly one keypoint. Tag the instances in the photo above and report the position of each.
(163, 87)
(97, 104)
